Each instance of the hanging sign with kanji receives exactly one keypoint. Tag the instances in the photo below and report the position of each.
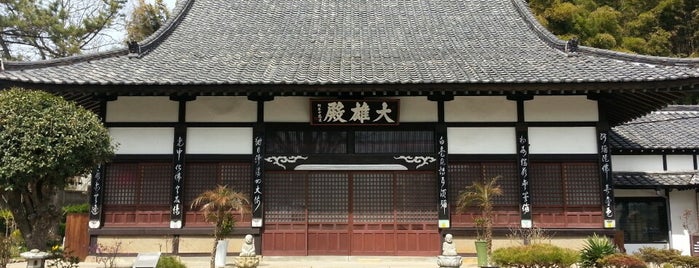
(370, 112)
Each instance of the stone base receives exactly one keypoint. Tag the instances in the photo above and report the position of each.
(246, 262)
(448, 261)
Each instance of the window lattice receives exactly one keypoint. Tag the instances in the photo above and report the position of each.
(328, 197)
(546, 184)
(201, 177)
(138, 184)
(463, 174)
(373, 197)
(416, 197)
(582, 184)
(156, 185)
(285, 197)
(394, 142)
(565, 184)
(306, 142)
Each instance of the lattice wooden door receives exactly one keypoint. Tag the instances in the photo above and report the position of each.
(351, 213)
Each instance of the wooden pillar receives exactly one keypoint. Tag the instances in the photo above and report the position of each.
(258, 147)
(177, 209)
(97, 180)
(443, 214)
(522, 142)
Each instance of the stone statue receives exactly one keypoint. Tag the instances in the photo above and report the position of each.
(248, 248)
(449, 257)
(247, 258)
(448, 247)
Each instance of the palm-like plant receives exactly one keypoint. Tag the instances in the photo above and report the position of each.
(481, 194)
(218, 206)
(596, 247)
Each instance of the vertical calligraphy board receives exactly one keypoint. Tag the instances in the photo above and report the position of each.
(523, 167)
(444, 214)
(96, 197)
(605, 162)
(177, 208)
(257, 150)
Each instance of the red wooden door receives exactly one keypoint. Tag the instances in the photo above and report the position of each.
(351, 213)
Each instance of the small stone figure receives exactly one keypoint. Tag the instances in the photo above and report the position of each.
(449, 257)
(448, 247)
(248, 248)
(247, 258)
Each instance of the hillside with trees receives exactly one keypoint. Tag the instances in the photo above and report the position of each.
(648, 27)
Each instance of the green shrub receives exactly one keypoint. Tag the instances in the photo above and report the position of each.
(620, 260)
(77, 208)
(596, 247)
(685, 261)
(658, 256)
(536, 255)
(170, 262)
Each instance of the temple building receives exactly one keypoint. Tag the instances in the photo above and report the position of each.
(656, 179)
(354, 124)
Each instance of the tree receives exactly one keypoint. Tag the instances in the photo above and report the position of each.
(47, 29)
(146, 19)
(218, 206)
(652, 27)
(481, 194)
(44, 140)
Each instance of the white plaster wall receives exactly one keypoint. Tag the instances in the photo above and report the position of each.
(288, 109)
(219, 140)
(481, 140)
(417, 109)
(560, 108)
(633, 248)
(133, 140)
(637, 163)
(142, 109)
(562, 140)
(680, 162)
(480, 109)
(221, 109)
(681, 201)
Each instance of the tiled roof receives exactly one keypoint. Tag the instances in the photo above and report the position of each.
(679, 180)
(478, 43)
(673, 128)
(438, 48)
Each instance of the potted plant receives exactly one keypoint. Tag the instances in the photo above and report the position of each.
(481, 194)
(218, 206)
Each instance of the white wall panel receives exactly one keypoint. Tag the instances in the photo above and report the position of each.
(680, 162)
(562, 140)
(288, 109)
(681, 201)
(481, 140)
(219, 140)
(221, 109)
(418, 109)
(142, 109)
(637, 163)
(560, 109)
(480, 109)
(143, 140)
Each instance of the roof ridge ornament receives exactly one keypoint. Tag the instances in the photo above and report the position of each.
(572, 47)
(134, 49)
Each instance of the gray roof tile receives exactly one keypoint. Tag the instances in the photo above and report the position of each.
(675, 127)
(681, 180)
(352, 42)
